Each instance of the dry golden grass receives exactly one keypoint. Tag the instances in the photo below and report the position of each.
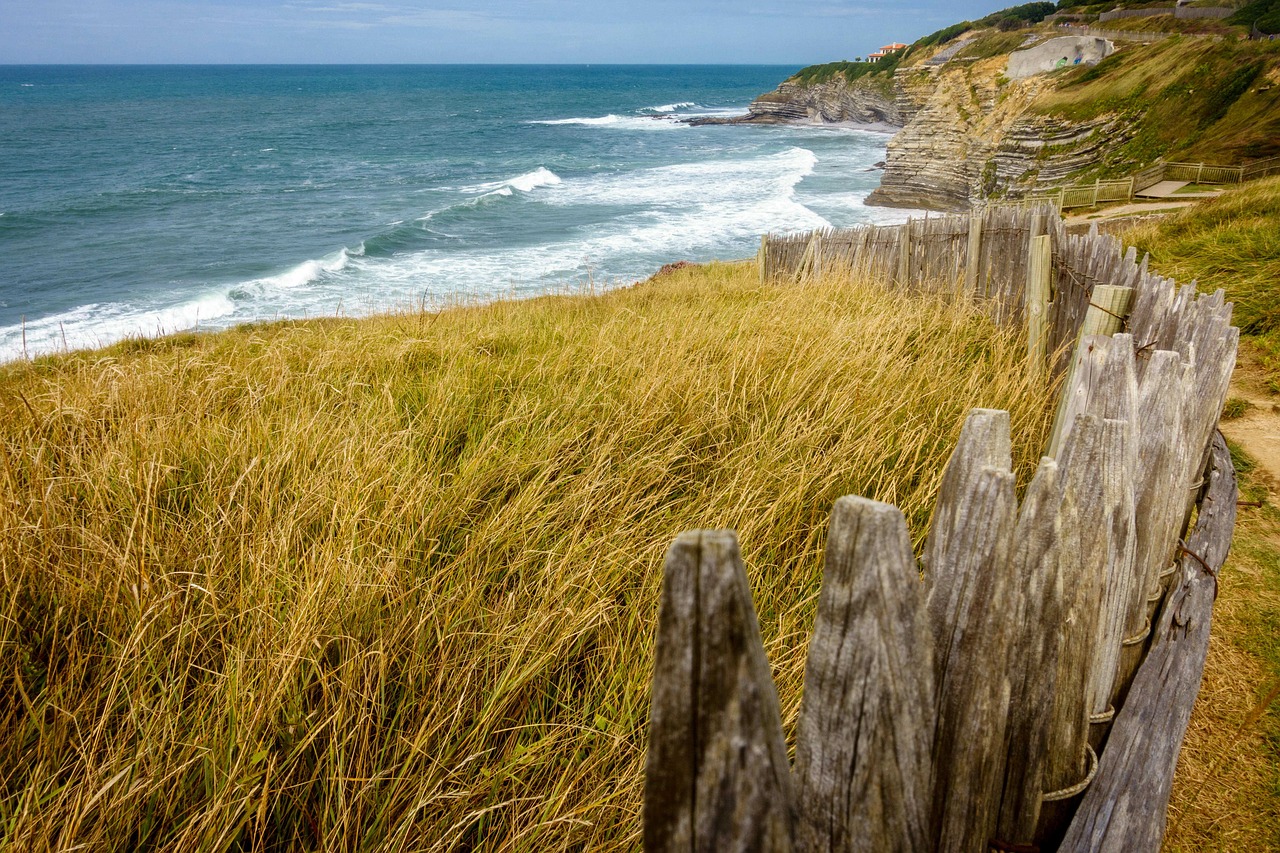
(1226, 793)
(392, 583)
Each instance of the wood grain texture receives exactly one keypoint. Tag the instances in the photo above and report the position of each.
(1125, 807)
(1082, 567)
(717, 775)
(863, 747)
(1039, 269)
(1033, 665)
(1157, 496)
(970, 600)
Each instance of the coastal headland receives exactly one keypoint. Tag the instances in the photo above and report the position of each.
(983, 113)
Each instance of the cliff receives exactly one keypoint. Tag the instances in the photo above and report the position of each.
(871, 99)
(1000, 114)
(973, 134)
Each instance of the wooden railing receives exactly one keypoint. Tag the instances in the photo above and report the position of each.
(1020, 696)
(1123, 189)
(1116, 35)
(1184, 12)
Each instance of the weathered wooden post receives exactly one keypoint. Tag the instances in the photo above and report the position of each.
(1034, 665)
(1108, 306)
(904, 255)
(864, 768)
(971, 596)
(973, 254)
(1126, 807)
(1068, 756)
(717, 775)
(1039, 268)
(762, 259)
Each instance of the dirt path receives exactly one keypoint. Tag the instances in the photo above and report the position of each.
(1258, 430)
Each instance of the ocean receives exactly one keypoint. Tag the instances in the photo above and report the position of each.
(139, 200)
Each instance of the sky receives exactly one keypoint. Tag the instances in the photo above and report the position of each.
(785, 32)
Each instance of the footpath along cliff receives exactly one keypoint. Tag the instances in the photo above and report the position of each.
(999, 114)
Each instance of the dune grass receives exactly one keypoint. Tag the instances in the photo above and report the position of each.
(1233, 242)
(392, 583)
(1226, 793)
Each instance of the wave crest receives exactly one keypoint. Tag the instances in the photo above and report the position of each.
(669, 108)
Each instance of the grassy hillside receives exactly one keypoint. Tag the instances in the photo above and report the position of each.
(367, 584)
(1227, 790)
(1184, 99)
(1233, 242)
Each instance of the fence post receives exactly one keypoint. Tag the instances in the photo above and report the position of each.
(1108, 306)
(1199, 172)
(1095, 193)
(717, 775)
(864, 765)
(904, 254)
(1039, 267)
(973, 258)
(1126, 806)
(1131, 183)
(762, 258)
(972, 594)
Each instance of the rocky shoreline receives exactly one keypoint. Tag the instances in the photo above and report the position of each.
(963, 130)
(864, 102)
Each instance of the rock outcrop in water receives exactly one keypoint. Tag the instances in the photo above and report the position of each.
(967, 129)
(867, 100)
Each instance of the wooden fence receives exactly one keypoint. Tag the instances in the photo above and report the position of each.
(1184, 12)
(1118, 35)
(1124, 189)
(1033, 692)
(1090, 195)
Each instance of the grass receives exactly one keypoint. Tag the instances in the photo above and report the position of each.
(393, 582)
(1231, 241)
(1197, 188)
(1184, 98)
(815, 75)
(1226, 793)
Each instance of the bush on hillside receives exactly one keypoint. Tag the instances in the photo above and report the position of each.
(943, 35)
(1263, 14)
(1017, 16)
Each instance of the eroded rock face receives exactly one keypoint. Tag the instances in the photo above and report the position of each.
(968, 132)
(868, 100)
(1037, 151)
(973, 136)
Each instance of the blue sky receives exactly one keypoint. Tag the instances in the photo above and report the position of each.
(394, 31)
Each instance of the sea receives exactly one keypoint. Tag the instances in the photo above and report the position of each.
(143, 200)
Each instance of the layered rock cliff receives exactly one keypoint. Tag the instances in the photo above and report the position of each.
(974, 135)
(867, 100)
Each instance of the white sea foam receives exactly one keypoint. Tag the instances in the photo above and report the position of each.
(527, 183)
(670, 108)
(97, 325)
(609, 226)
(617, 122)
(690, 210)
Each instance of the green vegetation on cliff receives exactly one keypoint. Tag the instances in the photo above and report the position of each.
(1262, 14)
(1182, 98)
(1011, 18)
